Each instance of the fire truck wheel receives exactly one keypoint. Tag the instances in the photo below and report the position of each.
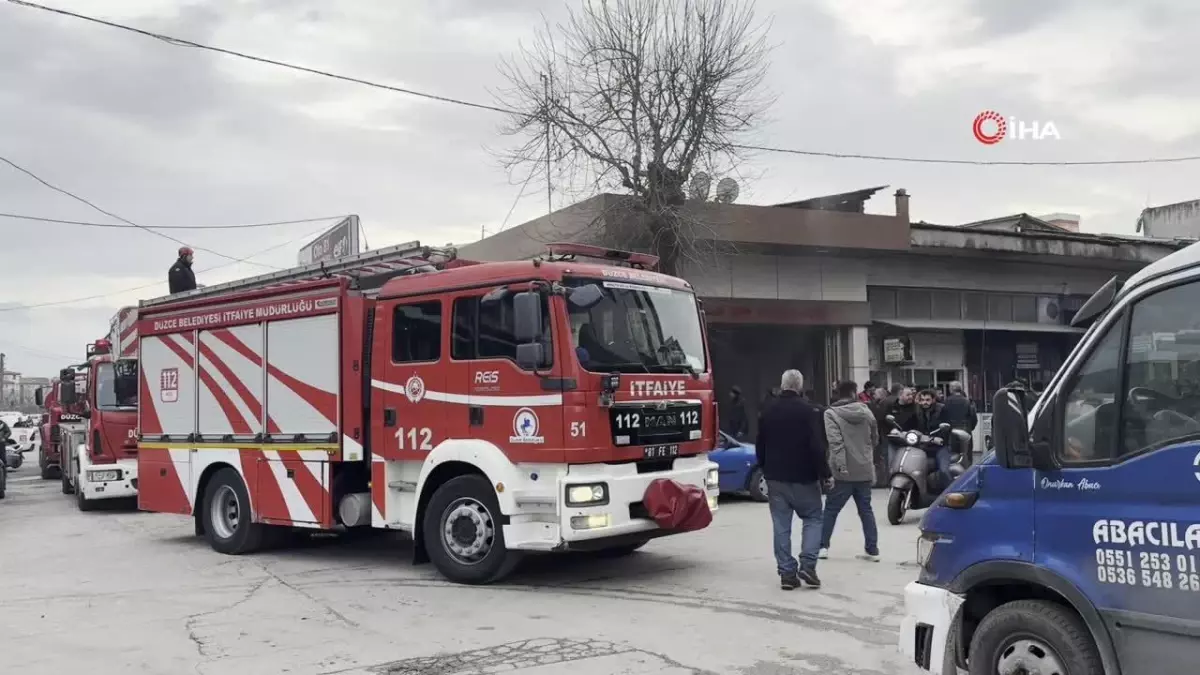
(83, 502)
(463, 534)
(226, 513)
(66, 483)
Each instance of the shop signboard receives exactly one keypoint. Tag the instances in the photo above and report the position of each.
(897, 350)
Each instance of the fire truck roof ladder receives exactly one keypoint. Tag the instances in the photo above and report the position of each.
(369, 269)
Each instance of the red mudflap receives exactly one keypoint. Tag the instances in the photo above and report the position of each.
(677, 507)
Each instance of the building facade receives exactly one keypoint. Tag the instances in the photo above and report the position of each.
(837, 293)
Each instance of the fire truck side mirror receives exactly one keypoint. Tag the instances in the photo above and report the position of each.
(66, 392)
(527, 317)
(37, 397)
(586, 297)
(531, 355)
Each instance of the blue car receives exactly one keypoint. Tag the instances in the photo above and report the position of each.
(738, 467)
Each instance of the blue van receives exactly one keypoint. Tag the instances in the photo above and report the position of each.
(1073, 548)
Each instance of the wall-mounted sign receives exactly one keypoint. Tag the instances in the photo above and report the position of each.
(897, 350)
(1027, 356)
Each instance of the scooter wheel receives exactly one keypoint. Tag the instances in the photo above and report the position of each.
(897, 505)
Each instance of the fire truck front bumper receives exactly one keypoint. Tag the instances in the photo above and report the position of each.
(601, 505)
(110, 481)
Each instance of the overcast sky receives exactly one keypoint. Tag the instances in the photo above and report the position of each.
(164, 135)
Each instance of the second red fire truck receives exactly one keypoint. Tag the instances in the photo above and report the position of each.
(489, 409)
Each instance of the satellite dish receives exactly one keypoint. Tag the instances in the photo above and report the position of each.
(727, 191)
(699, 186)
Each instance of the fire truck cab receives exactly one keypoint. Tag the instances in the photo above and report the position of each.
(99, 446)
(487, 408)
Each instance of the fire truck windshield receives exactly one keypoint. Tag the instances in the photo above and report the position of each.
(108, 394)
(638, 329)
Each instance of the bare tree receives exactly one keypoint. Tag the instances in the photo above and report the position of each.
(636, 96)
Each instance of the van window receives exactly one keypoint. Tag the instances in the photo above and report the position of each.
(417, 332)
(485, 330)
(1090, 403)
(1162, 370)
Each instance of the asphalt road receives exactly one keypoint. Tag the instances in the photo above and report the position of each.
(118, 591)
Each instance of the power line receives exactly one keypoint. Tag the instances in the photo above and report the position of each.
(482, 106)
(179, 42)
(110, 214)
(55, 303)
(36, 352)
(973, 162)
(87, 223)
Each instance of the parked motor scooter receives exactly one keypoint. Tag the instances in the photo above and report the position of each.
(915, 480)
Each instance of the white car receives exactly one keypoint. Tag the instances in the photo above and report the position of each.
(24, 430)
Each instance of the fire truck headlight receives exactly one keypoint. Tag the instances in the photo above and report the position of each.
(595, 494)
(104, 476)
(713, 479)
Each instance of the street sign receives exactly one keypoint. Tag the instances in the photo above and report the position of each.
(339, 241)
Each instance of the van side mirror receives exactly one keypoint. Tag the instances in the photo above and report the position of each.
(1010, 433)
(585, 297)
(527, 316)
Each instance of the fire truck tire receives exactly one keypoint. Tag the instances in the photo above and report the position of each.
(67, 489)
(83, 502)
(463, 533)
(226, 513)
(48, 472)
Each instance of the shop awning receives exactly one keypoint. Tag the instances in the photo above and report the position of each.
(964, 324)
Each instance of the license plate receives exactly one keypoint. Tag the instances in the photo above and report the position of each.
(660, 451)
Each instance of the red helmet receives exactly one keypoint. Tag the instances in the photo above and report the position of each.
(185, 250)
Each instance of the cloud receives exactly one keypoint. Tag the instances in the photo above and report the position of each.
(167, 135)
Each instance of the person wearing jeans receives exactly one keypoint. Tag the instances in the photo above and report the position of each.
(852, 436)
(802, 500)
(791, 453)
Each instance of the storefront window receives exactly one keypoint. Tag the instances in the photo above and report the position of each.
(912, 304)
(947, 305)
(1025, 308)
(1000, 308)
(883, 303)
(975, 306)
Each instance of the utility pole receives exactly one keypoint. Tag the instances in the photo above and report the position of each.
(2, 378)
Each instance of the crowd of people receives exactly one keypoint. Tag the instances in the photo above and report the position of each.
(817, 458)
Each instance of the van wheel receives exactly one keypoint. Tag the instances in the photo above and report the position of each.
(1033, 636)
(758, 486)
(898, 500)
(463, 532)
(226, 514)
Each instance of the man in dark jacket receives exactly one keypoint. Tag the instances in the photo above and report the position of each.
(959, 411)
(738, 425)
(928, 419)
(181, 278)
(791, 453)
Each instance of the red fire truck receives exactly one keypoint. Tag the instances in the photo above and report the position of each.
(96, 431)
(488, 409)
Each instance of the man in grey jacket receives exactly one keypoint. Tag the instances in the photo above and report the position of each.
(852, 434)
